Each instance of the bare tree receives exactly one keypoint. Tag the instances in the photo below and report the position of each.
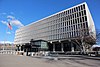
(97, 36)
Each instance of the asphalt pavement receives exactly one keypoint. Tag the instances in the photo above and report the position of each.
(26, 61)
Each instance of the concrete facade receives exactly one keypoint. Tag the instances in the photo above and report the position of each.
(74, 23)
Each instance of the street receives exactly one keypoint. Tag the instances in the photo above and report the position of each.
(25, 61)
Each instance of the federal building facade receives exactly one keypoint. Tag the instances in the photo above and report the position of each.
(67, 30)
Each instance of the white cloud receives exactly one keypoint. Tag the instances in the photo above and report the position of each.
(4, 22)
(10, 17)
(13, 21)
(2, 42)
(8, 32)
(17, 23)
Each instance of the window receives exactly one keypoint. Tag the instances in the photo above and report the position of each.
(73, 21)
(63, 18)
(69, 17)
(66, 18)
(78, 26)
(72, 15)
(86, 24)
(74, 9)
(75, 15)
(79, 8)
(83, 6)
(73, 27)
(66, 12)
(85, 18)
(79, 13)
(83, 25)
(69, 22)
(80, 19)
(65, 23)
(70, 11)
(76, 21)
(84, 12)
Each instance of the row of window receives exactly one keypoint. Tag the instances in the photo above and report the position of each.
(69, 35)
(70, 11)
(69, 23)
(70, 28)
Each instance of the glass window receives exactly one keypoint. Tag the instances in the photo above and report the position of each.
(85, 18)
(83, 6)
(72, 15)
(69, 22)
(79, 13)
(80, 19)
(83, 25)
(86, 24)
(70, 11)
(75, 15)
(74, 9)
(76, 21)
(74, 27)
(63, 18)
(73, 21)
(68, 17)
(84, 12)
(79, 8)
(66, 12)
(78, 26)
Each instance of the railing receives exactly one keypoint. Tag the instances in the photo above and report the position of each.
(7, 52)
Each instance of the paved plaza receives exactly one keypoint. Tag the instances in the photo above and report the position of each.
(25, 61)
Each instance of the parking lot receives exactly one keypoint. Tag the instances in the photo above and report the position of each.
(27, 61)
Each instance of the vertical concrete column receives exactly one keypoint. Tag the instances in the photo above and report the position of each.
(53, 47)
(62, 48)
(72, 47)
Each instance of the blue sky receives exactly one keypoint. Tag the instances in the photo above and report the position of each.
(23, 12)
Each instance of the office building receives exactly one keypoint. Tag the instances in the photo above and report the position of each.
(66, 30)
